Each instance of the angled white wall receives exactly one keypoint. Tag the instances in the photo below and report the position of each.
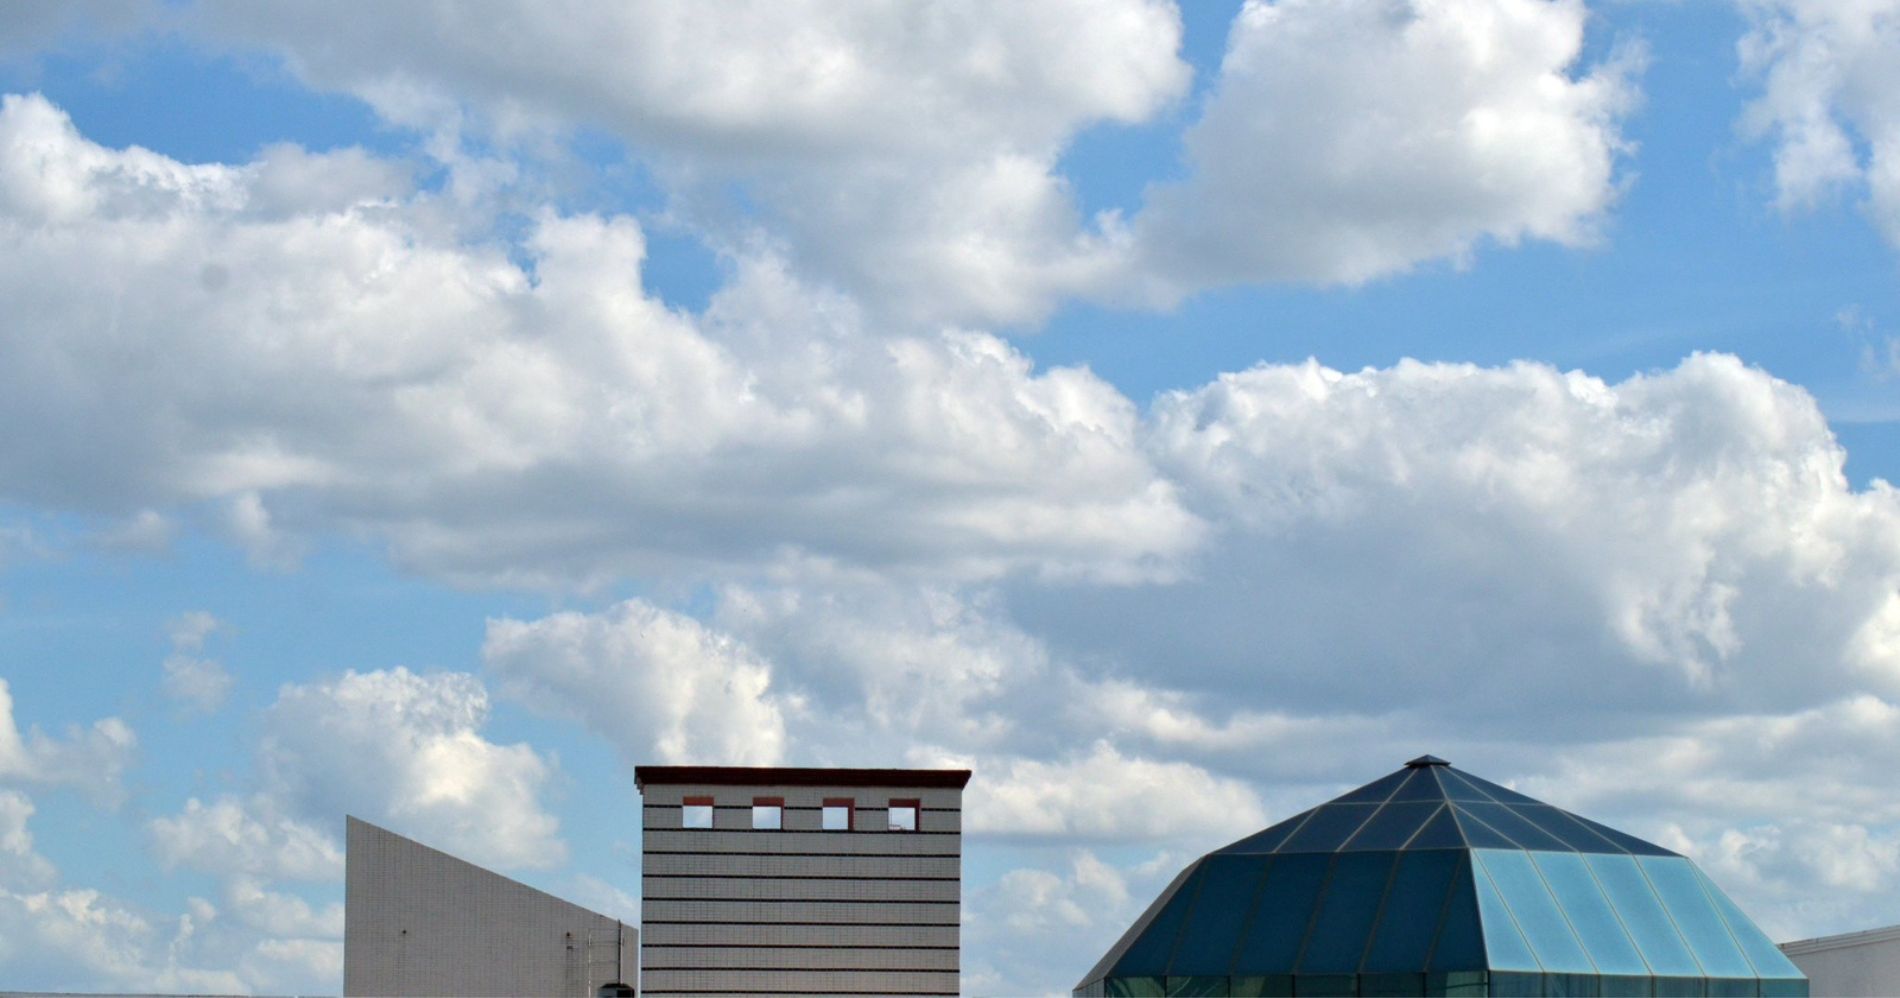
(1854, 965)
(419, 922)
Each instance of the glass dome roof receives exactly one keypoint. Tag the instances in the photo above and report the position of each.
(1433, 881)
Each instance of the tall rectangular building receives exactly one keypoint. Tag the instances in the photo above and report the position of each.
(800, 881)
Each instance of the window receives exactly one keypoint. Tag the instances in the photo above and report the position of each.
(696, 812)
(838, 814)
(768, 812)
(904, 815)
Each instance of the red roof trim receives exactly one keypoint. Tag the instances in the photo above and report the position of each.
(771, 776)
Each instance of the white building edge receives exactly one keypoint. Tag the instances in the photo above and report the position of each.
(420, 922)
(1863, 964)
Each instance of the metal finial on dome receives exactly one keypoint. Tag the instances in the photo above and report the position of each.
(1426, 760)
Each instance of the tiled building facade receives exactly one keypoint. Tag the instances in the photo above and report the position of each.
(800, 881)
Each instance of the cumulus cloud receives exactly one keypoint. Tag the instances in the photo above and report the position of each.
(93, 759)
(78, 936)
(404, 749)
(23, 869)
(1464, 124)
(1433, 534)
(908, 153)
(201, 683)
(233, 836)
(352, 367)
(1345, 142)
(1829, 101)
(1038, 927)
(1104, 794)
(659, 685)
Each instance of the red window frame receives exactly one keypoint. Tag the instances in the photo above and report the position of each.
(916, 805)
(778, 802)
(850, 814)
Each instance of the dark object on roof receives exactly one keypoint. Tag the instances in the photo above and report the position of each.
(1431, 881)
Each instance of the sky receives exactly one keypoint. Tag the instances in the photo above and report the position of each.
(1177, 416)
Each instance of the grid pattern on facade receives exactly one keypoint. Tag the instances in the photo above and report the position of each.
(418, 921)
(768, 900)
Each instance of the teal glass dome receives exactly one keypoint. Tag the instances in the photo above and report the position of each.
(1432, 881)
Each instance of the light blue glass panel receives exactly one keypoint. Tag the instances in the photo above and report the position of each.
(1680, 888)
(1768, 959)
(1642, 913)
(1536, 911)
(1212, 933)
(1505, 948)
(1590, 914)
(1343, 927)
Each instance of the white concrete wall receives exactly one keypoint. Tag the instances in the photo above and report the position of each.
(419, 922)
(800, 910)
(1850, 966)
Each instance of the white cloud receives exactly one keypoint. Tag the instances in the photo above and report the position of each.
(406, 749)
(905, 152)
(357, 368)
(70, 937)
(279, 915)
(144, 532)
(93, 759)
(882, 664)
(1427, 535)
(231, 836)
(1104, 794)
(1830, 100)
(202, 683)
(1346, 142)
(658, 685)
(1037, 928)
(909, 154)
(23, 869)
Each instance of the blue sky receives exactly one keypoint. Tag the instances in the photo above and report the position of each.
(1175, 415)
